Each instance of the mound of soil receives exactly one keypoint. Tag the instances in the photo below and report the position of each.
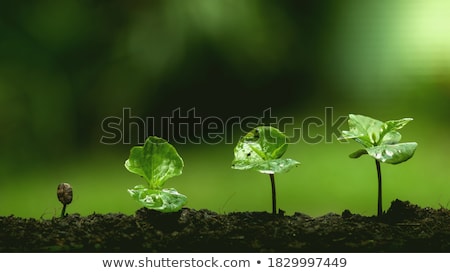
(403, 228)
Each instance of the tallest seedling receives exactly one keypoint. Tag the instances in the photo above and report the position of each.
(380, 141)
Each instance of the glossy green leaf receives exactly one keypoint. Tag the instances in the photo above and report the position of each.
(364, 130)
(380, 139)
(156, 161)
(393, 154)
(165, 200)
(396, 124)
(280, 165)
(389, 134)
(261, 149)
(392, 137)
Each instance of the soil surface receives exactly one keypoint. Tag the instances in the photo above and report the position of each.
(404, 227)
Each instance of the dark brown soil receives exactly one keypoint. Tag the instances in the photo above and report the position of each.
(403, 228)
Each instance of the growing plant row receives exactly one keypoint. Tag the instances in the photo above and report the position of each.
(261, 149)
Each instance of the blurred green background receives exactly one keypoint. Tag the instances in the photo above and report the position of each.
(67, 65)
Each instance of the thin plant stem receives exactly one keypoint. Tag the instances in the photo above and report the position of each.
(274, 195)
(63, 211)
(380, 203)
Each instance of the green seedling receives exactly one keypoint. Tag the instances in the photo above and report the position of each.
(380, 141)
(261, 150)
(156, 162)
(65, 196)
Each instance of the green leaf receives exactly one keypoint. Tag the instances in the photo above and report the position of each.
(381, 140)
(364, 130)
(392, 137)
(165, 200)
(156, 161)
(389, 134)
(280, 165)
(261, 149)
(393, 154)
(397, 124)
(358, 153)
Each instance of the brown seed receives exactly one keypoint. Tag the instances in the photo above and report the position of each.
(65, 193)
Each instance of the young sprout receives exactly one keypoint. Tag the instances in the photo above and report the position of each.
(380, 141)
(261, 150)
(156, 162)
(65, 195)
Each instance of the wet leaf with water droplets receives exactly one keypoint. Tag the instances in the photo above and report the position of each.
(380, 140)
(261, 149)
(393, 154)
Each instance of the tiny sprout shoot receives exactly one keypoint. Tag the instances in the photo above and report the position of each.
(261, 150)
(65, 195)
(156, 162)
(380, 141)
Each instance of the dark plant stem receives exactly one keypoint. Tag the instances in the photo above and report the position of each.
(274, 195)
(63, 211)
(380, 205)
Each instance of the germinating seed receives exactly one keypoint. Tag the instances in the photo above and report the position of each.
(65, 193)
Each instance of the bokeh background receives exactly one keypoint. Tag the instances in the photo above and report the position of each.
(67, 65)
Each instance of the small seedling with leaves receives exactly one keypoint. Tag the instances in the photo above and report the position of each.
(261, 150)
(380, 141)
(156, 162)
